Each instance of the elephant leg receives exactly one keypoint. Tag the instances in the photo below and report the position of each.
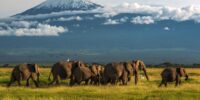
(52, 82)
(177, 80)
(78, 82)
(12, 80)
(162, 82)
(27, 82)
(19, 82)
(57, 82)
(177, 83)
(124, 81)
(38, 77)
(180, 82)
(165, 83)
(34, 79)
(86, 82)
(55, 78)
(136, 77)
(92, 80)
(113, 81)
(36, 84)
(72, 81)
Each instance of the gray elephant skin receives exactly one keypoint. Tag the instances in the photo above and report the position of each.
(25, 72)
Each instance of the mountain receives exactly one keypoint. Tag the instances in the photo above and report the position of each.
(50, 6)
(152, 33)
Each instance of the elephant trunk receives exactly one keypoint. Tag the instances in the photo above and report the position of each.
(186, 75)
(145, 73)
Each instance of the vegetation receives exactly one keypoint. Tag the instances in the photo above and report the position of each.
(145, 90)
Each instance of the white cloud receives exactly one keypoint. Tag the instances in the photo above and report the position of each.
(111, 22)
(116, 21)
(162, 12)
(106, 14)
(77, 18)
(166, 28)
(24, 28)
(123, 19)
(157, 12)
(143, 20)
(23, 24)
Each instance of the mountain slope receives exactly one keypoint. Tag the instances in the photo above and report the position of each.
(50, 6)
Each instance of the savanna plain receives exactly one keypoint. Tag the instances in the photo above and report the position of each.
(145, 90)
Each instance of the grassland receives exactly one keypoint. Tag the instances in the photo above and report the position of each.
(145, 90)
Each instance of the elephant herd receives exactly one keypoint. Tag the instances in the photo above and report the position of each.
(94, 74)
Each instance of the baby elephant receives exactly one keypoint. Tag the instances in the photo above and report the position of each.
(173, 74)
(25, 72)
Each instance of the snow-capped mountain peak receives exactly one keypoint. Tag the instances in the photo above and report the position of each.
(66, 4)
(50, 6)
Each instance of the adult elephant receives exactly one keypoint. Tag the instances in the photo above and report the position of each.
(114, 72)
(133, 69)
(173, 74)
(81, 73)
(25, 72)
(63, 70)
(97, 71)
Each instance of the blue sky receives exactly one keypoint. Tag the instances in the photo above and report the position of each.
(10, 7)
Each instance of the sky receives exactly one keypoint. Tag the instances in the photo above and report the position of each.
(11, 7)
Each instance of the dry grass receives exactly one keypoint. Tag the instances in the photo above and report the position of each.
(147, 90)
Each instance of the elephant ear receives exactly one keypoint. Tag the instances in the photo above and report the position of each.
(94, 69)
(128, 67)
(182, 72)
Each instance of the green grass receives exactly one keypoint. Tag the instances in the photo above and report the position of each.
(145, 90)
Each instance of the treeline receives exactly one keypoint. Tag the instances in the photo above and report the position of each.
(162, 65)
(168, 64)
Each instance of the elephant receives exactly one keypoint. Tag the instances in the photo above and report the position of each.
(133, 69)
(97, 70)
(25, 72)
(62, 70)
(81, 73)
(114, 72)
(173, 74)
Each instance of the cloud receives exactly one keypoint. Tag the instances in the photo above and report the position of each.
(25, 28)
(123, 19)
(157, 13)
(116, 21)
(23, 24)
(77, 18)
(106, 14)
(111, 22)
(166, 28)
(143, 20)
